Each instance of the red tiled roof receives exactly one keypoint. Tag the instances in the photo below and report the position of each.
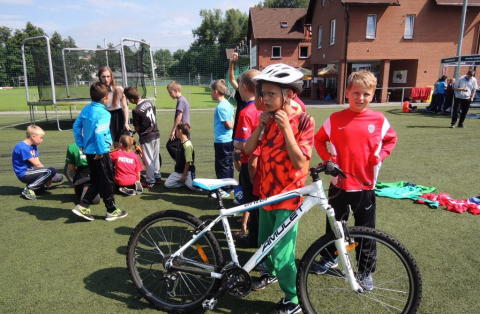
(265, 23)
(471, 3)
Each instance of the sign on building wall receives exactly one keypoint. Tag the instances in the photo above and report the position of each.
(400, 77)
(253, 57)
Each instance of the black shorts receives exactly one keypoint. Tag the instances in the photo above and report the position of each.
(117, 124)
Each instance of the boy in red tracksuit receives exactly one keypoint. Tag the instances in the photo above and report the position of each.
(360, 139)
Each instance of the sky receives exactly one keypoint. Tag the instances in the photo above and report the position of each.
(163, 24)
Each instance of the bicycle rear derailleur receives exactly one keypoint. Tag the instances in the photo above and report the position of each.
(235, 281)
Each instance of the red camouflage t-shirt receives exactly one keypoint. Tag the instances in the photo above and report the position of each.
(275, 169)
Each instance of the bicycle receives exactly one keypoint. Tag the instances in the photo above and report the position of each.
(176, 263)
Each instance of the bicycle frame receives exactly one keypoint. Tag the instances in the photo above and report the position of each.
(314, 193)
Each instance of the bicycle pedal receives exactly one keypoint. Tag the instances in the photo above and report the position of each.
(209, 304)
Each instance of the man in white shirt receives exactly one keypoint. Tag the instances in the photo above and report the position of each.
(465, 89)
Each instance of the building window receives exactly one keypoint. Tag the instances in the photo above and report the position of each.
(371, 26)
(319, 37)
(323, 3)
(409, 24)
(283, 24)
(332, 32)
(276, 52)
(303, 52)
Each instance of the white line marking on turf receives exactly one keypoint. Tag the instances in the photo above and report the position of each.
(9, 126)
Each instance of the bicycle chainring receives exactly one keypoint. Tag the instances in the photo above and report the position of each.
(236, 281)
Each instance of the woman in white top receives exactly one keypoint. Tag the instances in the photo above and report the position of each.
(117, 106)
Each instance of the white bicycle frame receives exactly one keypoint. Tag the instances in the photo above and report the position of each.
(315, 194)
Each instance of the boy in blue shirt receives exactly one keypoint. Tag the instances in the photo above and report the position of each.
(27, 165)
(92, 135)
(223, 131)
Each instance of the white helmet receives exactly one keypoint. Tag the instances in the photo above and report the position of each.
(281, 74)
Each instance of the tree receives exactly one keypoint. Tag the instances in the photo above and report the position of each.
(234, 27)
(216, 29)
(283, 4)
(163, 59)
(208, 33)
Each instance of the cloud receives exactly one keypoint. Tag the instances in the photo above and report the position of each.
(58, 8)
(9, 17)
(243, 6)
(15, 2)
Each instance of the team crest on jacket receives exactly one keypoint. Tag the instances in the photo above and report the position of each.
(371, 128)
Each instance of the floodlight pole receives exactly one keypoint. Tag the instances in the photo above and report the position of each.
(460, 38)
(106, 52)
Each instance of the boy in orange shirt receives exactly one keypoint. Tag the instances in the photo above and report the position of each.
(285, 139)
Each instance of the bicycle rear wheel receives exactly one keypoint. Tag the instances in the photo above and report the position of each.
(152, 243)
(397, 284)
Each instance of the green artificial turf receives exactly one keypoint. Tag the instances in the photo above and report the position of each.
(52, 261)
(15, 99)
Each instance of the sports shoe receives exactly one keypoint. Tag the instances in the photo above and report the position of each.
(29, 194)
(286, 307)
(138, 187)
(264, 280)
(127, 191)
(117, 214)
(261, 267)
(452, 126)
(461, 126)
(83, 212)
(324, 265)
(223, 194)
(366, 281)
(148, 185)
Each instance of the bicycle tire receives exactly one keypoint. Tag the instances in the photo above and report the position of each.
(397, 280)
(67, 173)
(166, 232)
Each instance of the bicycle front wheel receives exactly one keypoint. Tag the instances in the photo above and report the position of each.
(152, 243)
(397, 284)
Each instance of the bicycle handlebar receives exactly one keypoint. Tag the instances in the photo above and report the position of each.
(329, 167)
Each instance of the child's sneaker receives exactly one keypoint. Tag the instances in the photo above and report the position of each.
(286, 307)
(264, 280)
(324, 265)
(83, 212)
(138, 187)
(127, 191)
(117, 214)
(29, 194)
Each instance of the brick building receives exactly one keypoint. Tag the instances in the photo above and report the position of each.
(278, 35)
(401, 41)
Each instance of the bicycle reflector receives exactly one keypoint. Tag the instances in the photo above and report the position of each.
(202, 254)
(349, 247)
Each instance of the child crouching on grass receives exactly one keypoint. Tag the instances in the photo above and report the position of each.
(127, 167)
(285, 151)
(185, 158)
(27, 165)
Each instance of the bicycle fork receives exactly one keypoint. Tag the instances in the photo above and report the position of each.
(342, 250)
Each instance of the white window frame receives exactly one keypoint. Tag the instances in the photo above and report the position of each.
(320, 37)
(332, 31)
(280, 54)
(323, 3)
(300, 52)
(409, 26)
(371, 32)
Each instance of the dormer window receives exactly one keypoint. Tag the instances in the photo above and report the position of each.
(284, 24)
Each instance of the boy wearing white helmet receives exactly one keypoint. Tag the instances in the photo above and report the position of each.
(284, 137)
